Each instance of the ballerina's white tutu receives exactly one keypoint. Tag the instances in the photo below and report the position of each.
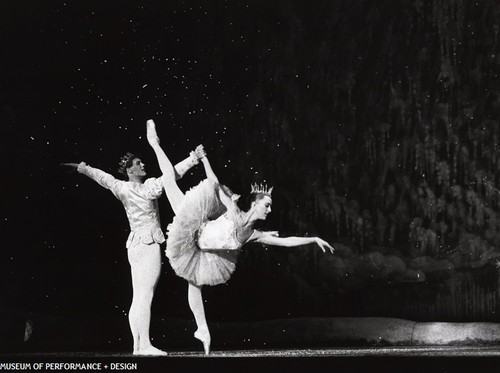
(202, 246)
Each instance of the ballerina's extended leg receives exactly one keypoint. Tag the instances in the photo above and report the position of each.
(172, 190)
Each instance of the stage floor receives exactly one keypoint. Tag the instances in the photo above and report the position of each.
(439, 359)
(402, 351)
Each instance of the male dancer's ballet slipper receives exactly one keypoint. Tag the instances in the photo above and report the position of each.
(150, 351)
(205, 339)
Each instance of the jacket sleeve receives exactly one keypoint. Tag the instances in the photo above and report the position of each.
(153, 188)
(102, 178)
(185, 165)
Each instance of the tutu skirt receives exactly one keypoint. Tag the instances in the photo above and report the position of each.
(199, 267)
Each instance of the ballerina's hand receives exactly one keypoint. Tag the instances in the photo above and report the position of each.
(200, 152)
(151, 134)
(322, 244)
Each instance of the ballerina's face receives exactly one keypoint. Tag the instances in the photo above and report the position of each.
(262, 207)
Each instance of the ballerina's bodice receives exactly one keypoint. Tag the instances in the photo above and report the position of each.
(218, 234)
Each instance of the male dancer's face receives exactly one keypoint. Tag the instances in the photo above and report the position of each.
(137, 168)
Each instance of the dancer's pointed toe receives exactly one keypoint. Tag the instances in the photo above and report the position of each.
(204, 337)
(151, 134)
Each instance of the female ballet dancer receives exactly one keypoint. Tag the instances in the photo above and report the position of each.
(209, 229)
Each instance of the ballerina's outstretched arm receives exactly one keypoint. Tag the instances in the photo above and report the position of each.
(227, 197)
(208, 168)
(292, 241)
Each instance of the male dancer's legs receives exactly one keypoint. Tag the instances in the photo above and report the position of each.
(145, 266)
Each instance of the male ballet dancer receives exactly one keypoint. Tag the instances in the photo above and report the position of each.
(139, 198)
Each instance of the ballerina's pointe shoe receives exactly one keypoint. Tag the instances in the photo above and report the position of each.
(150, 351)
(205, 339)
(151, 134)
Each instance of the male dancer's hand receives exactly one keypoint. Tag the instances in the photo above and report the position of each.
(73, 165)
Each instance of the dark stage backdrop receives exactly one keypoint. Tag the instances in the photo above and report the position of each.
(376, 122)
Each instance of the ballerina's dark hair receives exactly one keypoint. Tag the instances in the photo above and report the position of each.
(257, 192)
